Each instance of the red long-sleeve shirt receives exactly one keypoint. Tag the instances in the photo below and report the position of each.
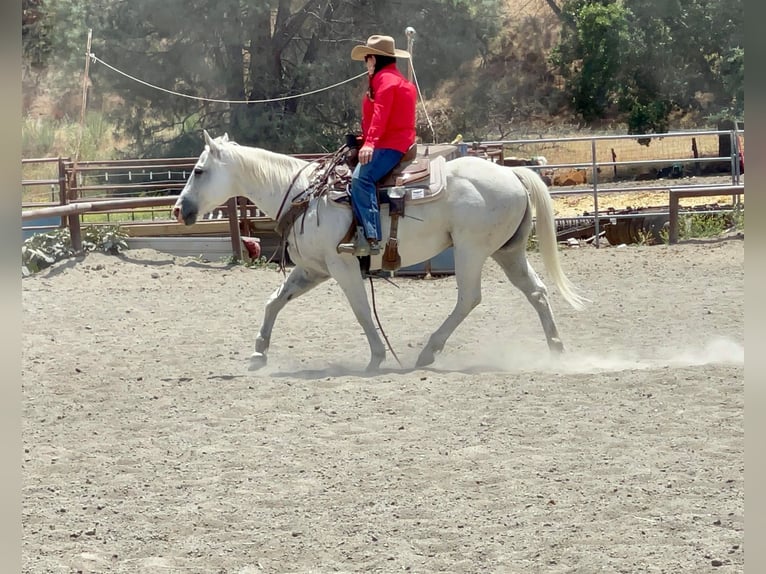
(389, 121)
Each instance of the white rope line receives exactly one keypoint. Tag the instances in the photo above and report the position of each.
(422, 102)
(95, 58)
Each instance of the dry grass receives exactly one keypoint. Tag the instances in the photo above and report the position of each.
(666, 151)
(578, 204)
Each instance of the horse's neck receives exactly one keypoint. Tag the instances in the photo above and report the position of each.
(270, 180)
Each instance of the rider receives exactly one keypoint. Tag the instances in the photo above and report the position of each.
(388, 132)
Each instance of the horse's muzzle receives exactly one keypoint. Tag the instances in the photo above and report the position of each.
(184, 211)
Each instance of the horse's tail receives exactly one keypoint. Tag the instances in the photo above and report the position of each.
(545, 229)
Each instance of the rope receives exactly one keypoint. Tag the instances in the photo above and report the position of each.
(422, 101)
(95, 58)
(377, 319)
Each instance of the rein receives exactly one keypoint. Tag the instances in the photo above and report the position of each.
(377, 319)
(318, 186)
(299, 203)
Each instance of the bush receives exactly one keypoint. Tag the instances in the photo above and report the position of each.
(44, 249)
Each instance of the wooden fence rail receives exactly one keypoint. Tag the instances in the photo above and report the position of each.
(74, 209)
(676, 193)
(122, 186)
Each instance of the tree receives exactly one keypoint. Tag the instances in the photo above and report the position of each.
(53, 41)
(482, 70)
(267, 52)
(591, 53)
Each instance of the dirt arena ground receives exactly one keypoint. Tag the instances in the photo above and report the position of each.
(150, 448)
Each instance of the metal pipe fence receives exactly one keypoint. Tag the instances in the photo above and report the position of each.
(146, 188)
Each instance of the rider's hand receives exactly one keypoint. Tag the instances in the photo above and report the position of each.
(365, 154)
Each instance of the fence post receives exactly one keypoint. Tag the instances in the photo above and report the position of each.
(594, 167)
(244, 226)
(62, 189)
(236, 239)
(734, 163)
(673, 217)
(75, 233)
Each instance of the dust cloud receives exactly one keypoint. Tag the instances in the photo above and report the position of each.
(719, 350)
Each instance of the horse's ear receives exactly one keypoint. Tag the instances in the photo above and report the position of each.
(225, 137)
(211, 144)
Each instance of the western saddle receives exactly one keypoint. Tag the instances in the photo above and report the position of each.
(417, 178)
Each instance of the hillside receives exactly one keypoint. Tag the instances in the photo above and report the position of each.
(511, 90)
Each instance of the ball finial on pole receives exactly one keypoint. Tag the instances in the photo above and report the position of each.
(409, 31)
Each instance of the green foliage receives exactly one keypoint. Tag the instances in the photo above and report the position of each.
(44, 249)
(651, 58)
(268, 50)
(730, 68)
(704, 225)
(738, 217)
(665, 235)
(261, 263)
(38, 137)
(36, 30)
(591, 54)
(49, 137)
(649, 117)
(481, 66)
(54, 35)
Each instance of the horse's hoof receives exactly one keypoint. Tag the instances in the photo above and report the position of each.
(257, 360)
(556, 346)
(373, 366)
(425, 358)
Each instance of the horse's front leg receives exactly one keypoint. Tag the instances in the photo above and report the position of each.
(298, 282)
(345, 270)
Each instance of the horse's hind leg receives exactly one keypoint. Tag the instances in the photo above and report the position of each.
(468, 266)
(298, 282)
(513, 261)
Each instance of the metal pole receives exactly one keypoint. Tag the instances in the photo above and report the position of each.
(74, 219)
(84, 94)
(595, 190)
(410, 33)
(734, 137)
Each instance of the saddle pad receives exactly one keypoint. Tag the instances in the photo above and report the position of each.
(417, 192)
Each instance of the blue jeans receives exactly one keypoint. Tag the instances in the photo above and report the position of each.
(364, 198)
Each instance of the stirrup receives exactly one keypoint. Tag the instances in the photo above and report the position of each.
(360, 249)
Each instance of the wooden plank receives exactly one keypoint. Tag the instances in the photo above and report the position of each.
(109, 204)
(236, 240)
(218, 227)
(60, 210)
(209, 247)
(162, 228)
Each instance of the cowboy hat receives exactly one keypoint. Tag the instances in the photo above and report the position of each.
(379, 46)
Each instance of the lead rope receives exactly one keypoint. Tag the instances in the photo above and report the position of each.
(377, 319)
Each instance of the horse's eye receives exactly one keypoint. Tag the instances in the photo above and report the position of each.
(198, 171)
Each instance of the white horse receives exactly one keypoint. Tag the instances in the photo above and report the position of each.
(485, 211)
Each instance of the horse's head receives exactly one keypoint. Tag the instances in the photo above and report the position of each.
(209, 184)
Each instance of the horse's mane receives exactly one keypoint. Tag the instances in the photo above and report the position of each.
(263, 166)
